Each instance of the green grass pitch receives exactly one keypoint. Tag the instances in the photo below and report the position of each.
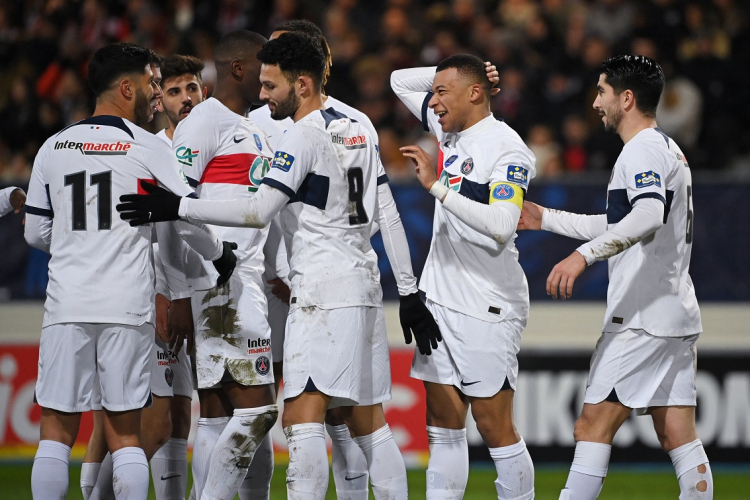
(621, 484)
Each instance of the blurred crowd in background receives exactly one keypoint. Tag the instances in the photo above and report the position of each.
(547, 53)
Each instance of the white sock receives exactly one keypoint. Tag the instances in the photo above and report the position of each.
(515, 472)
(257, 482)
(49, 474)
(209, 430)
(689, 460)
(385, 463)
(349, 465)
(169, 470)
(588, 471)
(103, 488)
(89, 471)
(130, 473)
(307, 474)
(233, 452)
(448, 468)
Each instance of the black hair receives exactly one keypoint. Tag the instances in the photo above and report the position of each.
(177, 65)
(111, 62)
(639, 74)
(236, 44)
(309, 28)
(296, 54)
(468, 66)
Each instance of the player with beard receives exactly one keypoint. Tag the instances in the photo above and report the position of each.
(98, 324)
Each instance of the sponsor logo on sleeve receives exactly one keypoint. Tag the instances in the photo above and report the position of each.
(283, 161)
(262, 365)
(518, 174)
(185, 155)
(258, 142)
(646, 179)
(467, 166)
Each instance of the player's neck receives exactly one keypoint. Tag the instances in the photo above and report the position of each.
(232, 100)
(476, 116)
(629, 128)
(171, 127)
(111, 108)
(308, 105)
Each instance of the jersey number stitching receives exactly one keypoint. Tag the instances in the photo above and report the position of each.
(689, 231)
(103, 180)
(356, 192)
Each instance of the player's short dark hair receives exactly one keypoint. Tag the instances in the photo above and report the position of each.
(467, 66)
(112, 62)
(296, 54)
(236, 44)
(309, 28)
(176, 65)
(639, 74)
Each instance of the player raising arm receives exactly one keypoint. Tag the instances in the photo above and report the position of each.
(645, 358)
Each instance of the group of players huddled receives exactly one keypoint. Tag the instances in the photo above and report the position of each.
(263, 199)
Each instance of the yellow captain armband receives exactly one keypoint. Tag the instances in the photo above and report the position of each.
(502, 191)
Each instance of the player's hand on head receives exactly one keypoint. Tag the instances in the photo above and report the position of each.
(531, 217)
(424, 166)
(493, 76)
(564, 275)
(17, 200)
(280, 290)
(157, 206)
(180, 323)
(417, 320)
(226, 263)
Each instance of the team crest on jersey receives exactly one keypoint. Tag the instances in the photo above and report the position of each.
(258, 170)
(467, 166)
(258, 142)
(645, 179)
(262, 365)
(451, 181)
(450, 160)
(283, 161)
(169, 376)
(503, 192)
(185, 155)
(518, 174)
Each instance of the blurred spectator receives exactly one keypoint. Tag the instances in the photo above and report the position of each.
(611, 20)
(575, 132)
(542, 143)
(680, 109)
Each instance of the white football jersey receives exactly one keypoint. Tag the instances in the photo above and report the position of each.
(649, 285)
(327, 165)
(101, 268)
(225, 156)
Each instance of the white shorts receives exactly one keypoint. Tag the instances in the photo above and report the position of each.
(170, 375)
(74, 356)
(342, 353)
(277, 314)
(232, 335)
(643, 370)
(475, 356)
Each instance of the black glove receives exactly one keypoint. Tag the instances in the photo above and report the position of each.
(415, 317)
(226, 263)
(157, 206)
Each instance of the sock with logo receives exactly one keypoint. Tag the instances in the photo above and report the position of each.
(307, 474)
(49, 474)
(693, 471)
(349, 465)
(169, 470)
(234, 450)
(515, 472)
(587, 472)
(209, 430)
(385, 463)
(103, 488)
(130, 473)
(448, 468)
(89, 472)
(257, 482)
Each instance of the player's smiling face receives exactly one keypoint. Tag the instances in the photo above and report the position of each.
(156, 100)
(277, 92)
(450, 100)
(145, 89)
(181, 94)
(607, 103)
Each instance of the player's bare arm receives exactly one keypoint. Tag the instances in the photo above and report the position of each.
(531, 217)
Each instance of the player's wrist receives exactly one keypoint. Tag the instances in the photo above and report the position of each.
(587, 253)
(439, 190)
(182, 210)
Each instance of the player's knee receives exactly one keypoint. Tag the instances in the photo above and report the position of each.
(335, 417)
(586, 430)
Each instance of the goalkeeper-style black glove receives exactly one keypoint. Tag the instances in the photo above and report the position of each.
(157, 206)
(416, 318)
(226, 263)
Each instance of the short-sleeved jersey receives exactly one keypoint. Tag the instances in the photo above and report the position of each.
(327, 165)
(101, 268)
(465, 270)
(225, 156)
(649, 284)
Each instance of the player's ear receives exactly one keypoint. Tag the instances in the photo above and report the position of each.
(475, 92)
(303, 84)
(127, 88)
(627, 99)
(205, 93)
(236, 66)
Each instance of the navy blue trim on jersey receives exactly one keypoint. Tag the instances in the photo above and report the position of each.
(331, 114)
(192, 196)
(425, 107)
(313, 191)
(44, 212)
(280, 186)
(618, 205)
(49, 200)
(382, 179)
(475, 191)
(648, 195)
(104, 120)
(192, 182)
(665, 136)
(668, 204)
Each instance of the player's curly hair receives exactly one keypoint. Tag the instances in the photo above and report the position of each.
(116, 60)
(176, 65)
(639, 74)
(296, 54)
(309, 28)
